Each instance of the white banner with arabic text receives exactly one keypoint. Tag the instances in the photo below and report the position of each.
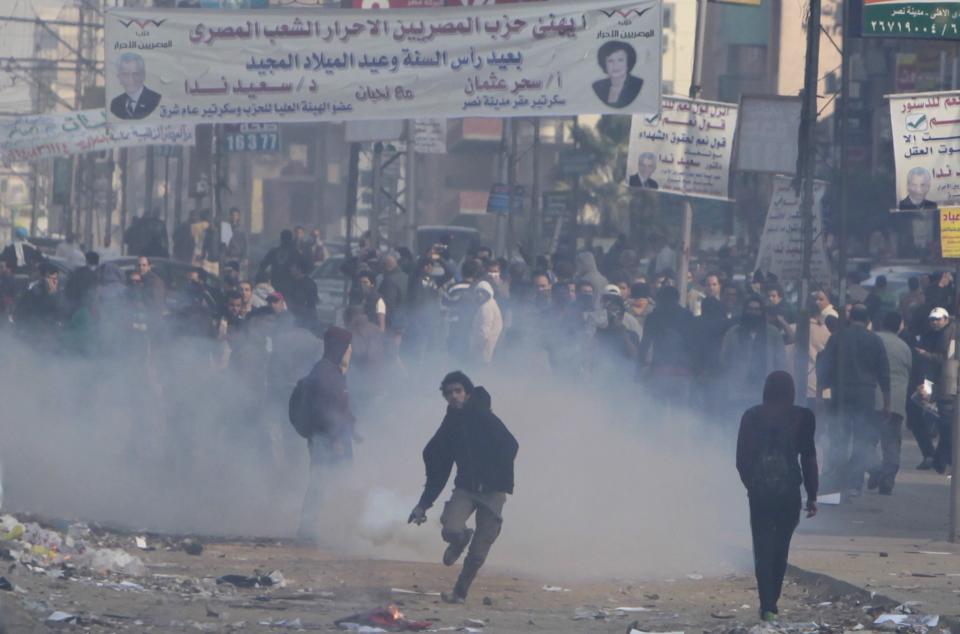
(685, 149)
(34, 137)
(926, 149)
(563, 57)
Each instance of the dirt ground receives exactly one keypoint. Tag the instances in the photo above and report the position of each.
(179, 593)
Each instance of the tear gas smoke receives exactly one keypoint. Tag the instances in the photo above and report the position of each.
(604, 484)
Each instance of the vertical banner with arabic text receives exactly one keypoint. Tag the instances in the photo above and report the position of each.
(950, 232)
(926, 149)
(685, 149)
(781, 243)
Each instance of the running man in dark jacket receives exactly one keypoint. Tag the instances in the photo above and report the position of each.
(775, 455)
(484, 450)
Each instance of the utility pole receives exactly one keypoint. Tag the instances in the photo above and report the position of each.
(500, 239)
(697, 78)
(844, 150)
(805, 175)
(410, 189)
(376, 179)
(536, 202)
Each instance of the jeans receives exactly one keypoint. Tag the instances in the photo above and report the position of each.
(866, 433)
(922, 428)
(772, 525)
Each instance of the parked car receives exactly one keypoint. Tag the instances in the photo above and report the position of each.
(898, 275)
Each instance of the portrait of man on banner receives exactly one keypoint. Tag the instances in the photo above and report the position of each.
(919, 181)
(646, 166)
(620, 88)
(137, 101)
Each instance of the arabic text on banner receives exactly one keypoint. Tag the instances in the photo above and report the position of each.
(430, 136)
(685, 149)
(950, 232)
(34, 137)
(529, 59)
(781, 243)
(913, 19)
(926, 149)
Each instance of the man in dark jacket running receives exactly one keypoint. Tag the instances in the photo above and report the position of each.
(484, 450)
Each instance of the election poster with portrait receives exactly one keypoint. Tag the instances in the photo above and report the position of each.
(528, 59)
(684, 149)
(926, 149)
(35, 137)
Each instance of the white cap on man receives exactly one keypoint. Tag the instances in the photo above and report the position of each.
(939, 313)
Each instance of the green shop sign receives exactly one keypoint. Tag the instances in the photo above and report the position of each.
(920, 19)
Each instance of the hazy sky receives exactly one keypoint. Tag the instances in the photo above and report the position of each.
(16, 40)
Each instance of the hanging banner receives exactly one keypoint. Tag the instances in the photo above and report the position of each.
(950, 232)
(527, 59)
(781, 244)
(926, 140)
(686, 149)
(34, 137)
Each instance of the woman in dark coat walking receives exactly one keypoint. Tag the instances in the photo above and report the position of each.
(775, 456)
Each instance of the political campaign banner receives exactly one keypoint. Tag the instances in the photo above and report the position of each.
(526, 59)
(34, 137)
(768, 134)
(684, 149)
(950, 232)
(926, 136)
(781, 243)
(430, 136)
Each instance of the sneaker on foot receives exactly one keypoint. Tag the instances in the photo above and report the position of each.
(452, 598)
(926, 465)
(453, 551)
(769, 617)
(872, 481)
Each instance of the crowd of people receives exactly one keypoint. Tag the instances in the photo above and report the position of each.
(605, 320)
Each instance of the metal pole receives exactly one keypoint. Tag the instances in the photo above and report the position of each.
(353, 175)
(844, 152)
(35, 199)
(697, 78)
(955, 469)
(124, 161)
(166, 186)
(805, 174)
(500, 238)
(511, 185)
(535, 195)
(376, 179)
(410, 190)
(178, 195)
(148, 184)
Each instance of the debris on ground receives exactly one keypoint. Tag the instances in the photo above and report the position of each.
(192, 547)
(5, 585)
(555, 589)
(271, 579)
(390, 618)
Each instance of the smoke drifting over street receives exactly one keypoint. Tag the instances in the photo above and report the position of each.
(599, 490)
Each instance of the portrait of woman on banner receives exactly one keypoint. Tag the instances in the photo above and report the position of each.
(620, 88)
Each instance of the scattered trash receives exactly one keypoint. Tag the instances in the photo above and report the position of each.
(555, 589)
(389, 617)
(695, 577)
(62, 618)
(487, 601)
(932, 552)
(141, 543)
(275, 578)
(632, 609)
(592, 612)
(825, 604)
(830, 498)
(113, 560)
(192, 547)
(415, 592)
(882, 554)
(474, 623)
(911, 620)
(721, 615)
(652, 597)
